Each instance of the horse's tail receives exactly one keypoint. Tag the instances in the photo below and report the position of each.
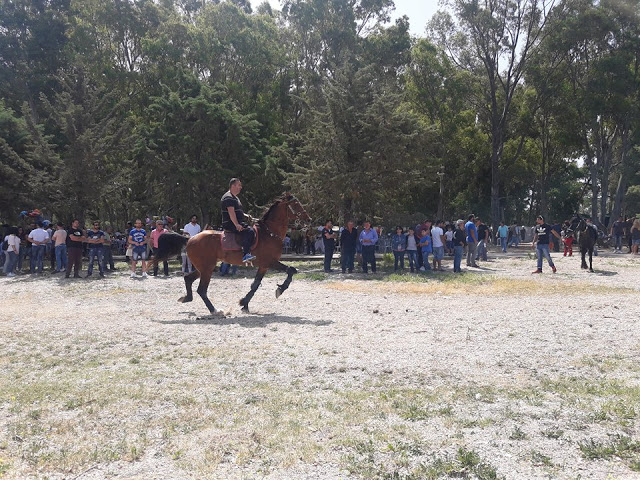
(169, 245)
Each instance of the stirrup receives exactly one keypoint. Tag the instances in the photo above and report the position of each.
(248, 257)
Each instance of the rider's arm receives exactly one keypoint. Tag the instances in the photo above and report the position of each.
(234, 219)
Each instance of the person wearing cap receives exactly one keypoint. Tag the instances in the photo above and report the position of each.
(541, 238)
(155, 235)
(459, 237)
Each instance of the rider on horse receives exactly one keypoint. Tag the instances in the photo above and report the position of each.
(235, 220)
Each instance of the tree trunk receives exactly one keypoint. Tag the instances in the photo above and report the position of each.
(495, 178)
(624, 174)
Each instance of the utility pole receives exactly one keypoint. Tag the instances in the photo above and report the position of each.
(440, 197)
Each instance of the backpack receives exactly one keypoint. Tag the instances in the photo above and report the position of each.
(5, 245)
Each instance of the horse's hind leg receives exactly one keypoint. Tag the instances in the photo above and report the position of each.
(244, 302)
(188, 282)
(205, 278)
(290, 273)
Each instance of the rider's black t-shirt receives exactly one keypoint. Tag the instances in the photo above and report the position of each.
(543, 231)
(230, 200)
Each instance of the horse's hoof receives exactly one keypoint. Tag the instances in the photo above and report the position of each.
(185, 299)
(245, 309)
(278, 292)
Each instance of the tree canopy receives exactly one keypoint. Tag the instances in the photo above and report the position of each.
(504, 108)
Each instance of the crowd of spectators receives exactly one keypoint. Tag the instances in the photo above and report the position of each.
(421, 247)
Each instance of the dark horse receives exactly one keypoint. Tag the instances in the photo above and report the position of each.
(587, 238)
(205, 250)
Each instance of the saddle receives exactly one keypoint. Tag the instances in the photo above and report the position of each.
(230, 240)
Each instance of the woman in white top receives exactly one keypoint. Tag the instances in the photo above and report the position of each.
(13, 250)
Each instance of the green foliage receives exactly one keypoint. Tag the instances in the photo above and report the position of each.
(123, 109)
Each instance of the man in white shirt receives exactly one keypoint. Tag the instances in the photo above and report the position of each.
(38, 238)
(190, 229)
(13, 250)
(438, 239)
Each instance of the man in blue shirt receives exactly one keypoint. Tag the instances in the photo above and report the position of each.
(138, 240)
(427, 247)
(503, 233)
(368, 240)
(472, 240)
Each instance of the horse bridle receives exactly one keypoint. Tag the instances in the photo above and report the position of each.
(297, 214)
(293, 212)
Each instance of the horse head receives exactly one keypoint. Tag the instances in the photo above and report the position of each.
(295, 210)
(577, 223)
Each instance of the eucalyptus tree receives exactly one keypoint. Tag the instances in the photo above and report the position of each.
(493, 40)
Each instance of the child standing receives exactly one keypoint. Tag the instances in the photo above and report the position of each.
(427, 248)
(398, 245)
(412, 250)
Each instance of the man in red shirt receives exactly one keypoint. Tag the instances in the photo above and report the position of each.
(155, 235)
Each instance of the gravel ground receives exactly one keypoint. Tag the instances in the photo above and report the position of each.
(491, 374)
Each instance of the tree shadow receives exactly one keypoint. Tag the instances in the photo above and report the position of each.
(255, 320)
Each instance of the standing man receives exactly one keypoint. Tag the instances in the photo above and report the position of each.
(138, 240)
(39, 239)
(95, 239)
(59, 238)
(458, 245)
(348, 243)
(438, 240)
(329, 241)
(617, 230)
(483, 240)
(515, 235)
(191, 229)
(155, 235)
(75, 237)
(234, 219)
(503, 233)
(368, 240)
(541, 239)
(472, 241)
(108, 253)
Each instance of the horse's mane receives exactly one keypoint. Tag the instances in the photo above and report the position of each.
(283, 198)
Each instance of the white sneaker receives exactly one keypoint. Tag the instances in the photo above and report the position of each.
(144, 275)
(11, 274)
(133, 274)
(422, 269)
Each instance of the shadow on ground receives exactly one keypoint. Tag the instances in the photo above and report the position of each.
(249, 321)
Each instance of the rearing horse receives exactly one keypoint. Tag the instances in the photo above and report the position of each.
(205, 250)
(587, 238)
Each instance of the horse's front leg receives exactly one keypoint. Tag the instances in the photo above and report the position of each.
(244, 302)
(583, 251)
(291, 271)
(591, 260)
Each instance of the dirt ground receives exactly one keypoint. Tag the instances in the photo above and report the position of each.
(494, 373)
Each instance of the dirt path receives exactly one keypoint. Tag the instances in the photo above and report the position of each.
(492, 374)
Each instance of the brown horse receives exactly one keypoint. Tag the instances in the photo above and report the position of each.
(205, 250)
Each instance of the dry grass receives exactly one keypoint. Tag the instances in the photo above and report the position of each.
(478, 285)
